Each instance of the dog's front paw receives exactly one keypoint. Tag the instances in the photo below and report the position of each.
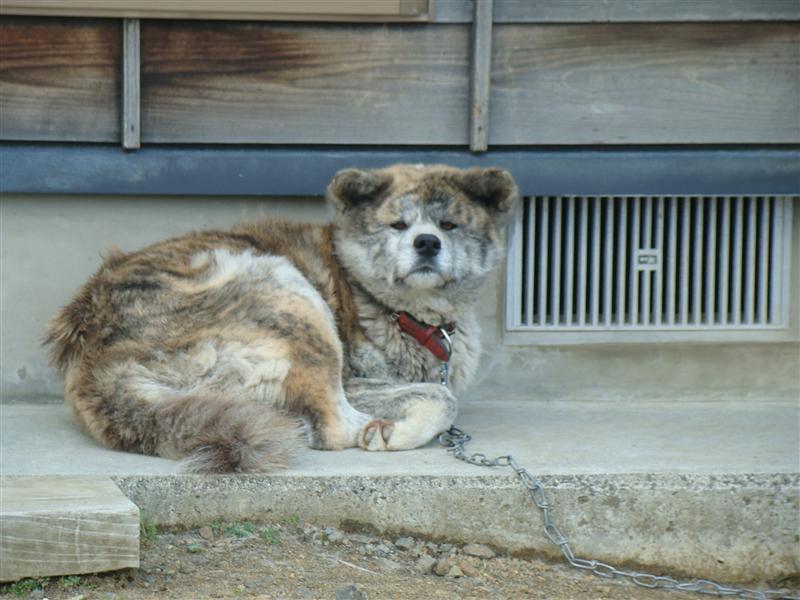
(376, 434)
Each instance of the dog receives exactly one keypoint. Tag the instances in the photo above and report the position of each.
(231, 349)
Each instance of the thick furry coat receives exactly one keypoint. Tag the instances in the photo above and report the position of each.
(225, 348)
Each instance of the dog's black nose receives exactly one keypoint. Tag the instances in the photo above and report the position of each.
(427, 245)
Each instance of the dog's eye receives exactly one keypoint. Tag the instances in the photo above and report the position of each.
(447, 225)
(399, 225)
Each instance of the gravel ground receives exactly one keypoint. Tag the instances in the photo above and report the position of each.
(297, 560)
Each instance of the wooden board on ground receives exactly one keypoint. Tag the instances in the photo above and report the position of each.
(64, 525)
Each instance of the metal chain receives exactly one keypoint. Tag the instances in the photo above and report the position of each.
(455, 441)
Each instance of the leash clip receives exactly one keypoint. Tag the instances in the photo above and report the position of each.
(444, 373)
(444, 370)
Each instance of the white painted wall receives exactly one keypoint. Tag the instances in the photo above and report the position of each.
(50, 244)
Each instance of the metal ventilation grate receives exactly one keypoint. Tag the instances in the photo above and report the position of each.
(580, 263)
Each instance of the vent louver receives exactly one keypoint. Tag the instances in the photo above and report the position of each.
(582, 263)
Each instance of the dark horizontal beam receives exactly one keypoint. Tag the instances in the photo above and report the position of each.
(295, 171)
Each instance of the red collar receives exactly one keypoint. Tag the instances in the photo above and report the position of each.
(431, 337)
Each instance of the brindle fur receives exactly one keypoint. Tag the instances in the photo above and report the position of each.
(216, 347)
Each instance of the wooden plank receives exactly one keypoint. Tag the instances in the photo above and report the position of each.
(643, 84)
(442, 11)
(571, 84)
(304, 84)
(59, 81)
(480, 75)
(64, 525)
(131, 130)
(400, 85)
(302, 10)
(623, 11)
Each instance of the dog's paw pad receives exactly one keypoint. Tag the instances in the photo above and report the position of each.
(375, 435)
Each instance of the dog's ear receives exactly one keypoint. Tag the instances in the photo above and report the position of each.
(352, 188)
(492, 188)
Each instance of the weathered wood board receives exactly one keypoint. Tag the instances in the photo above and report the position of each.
(646, 84)
(445, 11)
(623, 11)
(358, 84)
(304, 84)
(556, 84)
(62, 525)
(480, 75)
(59, 79)
(288, 10)
(131, 77)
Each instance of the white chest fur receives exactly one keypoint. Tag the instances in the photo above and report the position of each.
(398, 356)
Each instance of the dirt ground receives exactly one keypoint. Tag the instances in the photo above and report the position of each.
(296, 560)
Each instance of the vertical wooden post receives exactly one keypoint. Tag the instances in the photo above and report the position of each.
(131, 130)
(480, 74)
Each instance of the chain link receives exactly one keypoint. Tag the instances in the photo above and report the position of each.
(455, 440)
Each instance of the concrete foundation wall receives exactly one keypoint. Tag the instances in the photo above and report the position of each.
(51, 244)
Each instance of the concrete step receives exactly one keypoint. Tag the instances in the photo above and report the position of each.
(65, 524)
(699, 489)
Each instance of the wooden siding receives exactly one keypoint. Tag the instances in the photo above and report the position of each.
(59, 80)
(622, 11)
(304, 84)
(361, 84)
(443, 11)
(565, 84)
(646, 84)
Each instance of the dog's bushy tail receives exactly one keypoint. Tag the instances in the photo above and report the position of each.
(209, 434)
(217, 435)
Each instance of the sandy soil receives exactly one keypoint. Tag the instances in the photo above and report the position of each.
(296, 560)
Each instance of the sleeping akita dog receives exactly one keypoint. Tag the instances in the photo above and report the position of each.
(228, 348)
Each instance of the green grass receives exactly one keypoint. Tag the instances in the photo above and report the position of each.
(295, 521)
(70, 581)
(149, 530)
(195, 548)
(240, 530)
(243, 529)
(217, 527)
(24, 587)
(271, 534)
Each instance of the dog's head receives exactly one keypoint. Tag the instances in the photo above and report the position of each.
(415, 236)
